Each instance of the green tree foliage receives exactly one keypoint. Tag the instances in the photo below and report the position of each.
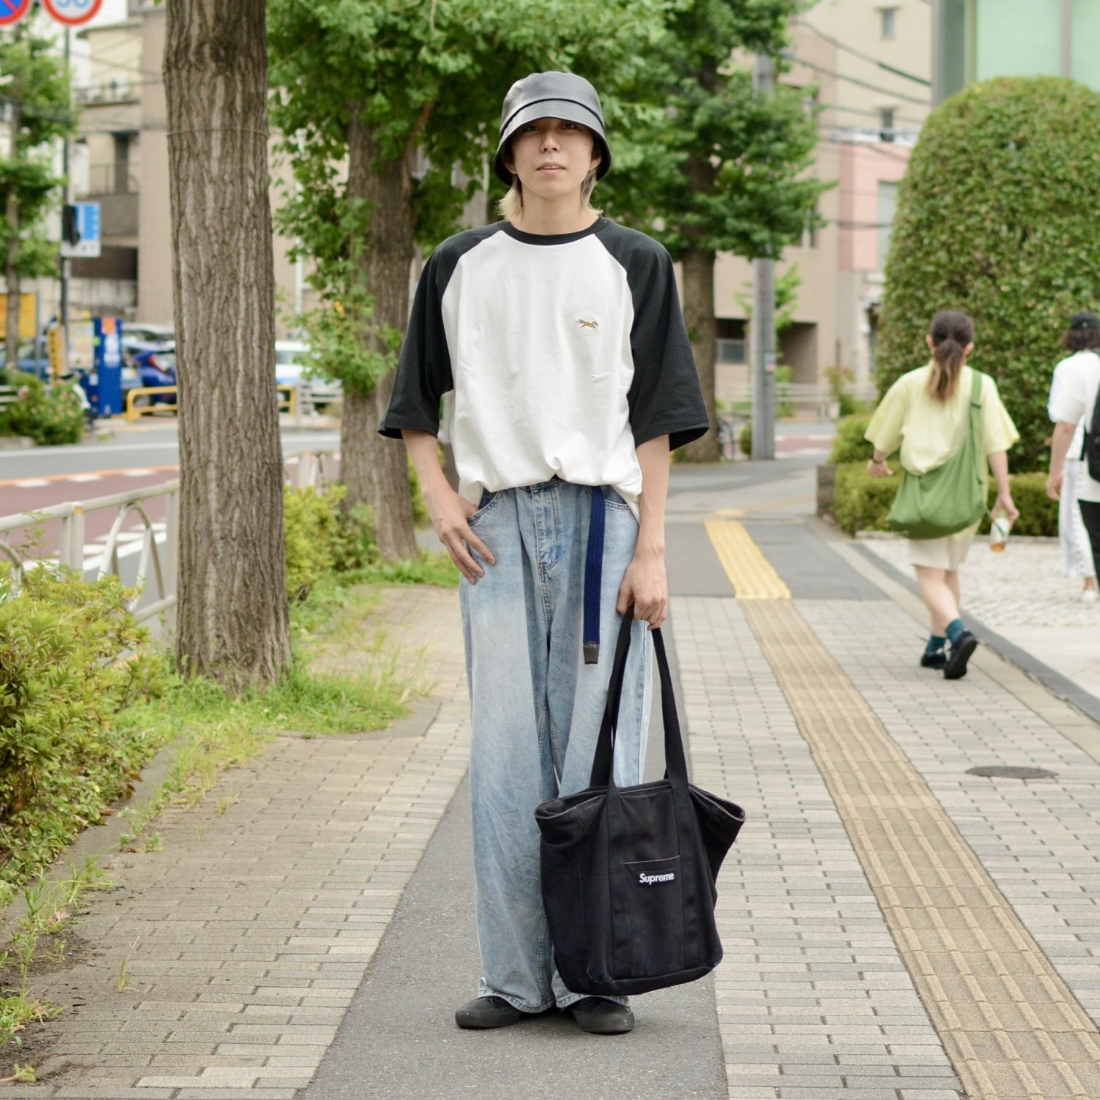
(709, 166)
(34, 89)
(996, 217)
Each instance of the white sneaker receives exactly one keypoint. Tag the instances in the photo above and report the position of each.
(1089, 595)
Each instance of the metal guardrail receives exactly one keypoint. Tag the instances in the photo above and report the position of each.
(291, 403)
(71, 545)
(311, 469)
(8, 395)
(802, 394)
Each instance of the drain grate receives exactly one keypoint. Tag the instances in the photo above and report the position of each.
(1005, 771)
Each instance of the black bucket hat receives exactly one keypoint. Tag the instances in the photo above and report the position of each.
(552, 95)
(1084, 320)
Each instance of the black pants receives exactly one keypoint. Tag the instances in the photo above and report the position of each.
(1090, 513)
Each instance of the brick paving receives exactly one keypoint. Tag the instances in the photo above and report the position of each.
(246, 936)
(1022, 595)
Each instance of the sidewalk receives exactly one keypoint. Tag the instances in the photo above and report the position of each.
(896, 928)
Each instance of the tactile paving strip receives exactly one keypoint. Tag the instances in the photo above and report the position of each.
(1009, 1023)
(748, 570)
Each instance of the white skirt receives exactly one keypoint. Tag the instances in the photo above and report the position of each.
(946, 553)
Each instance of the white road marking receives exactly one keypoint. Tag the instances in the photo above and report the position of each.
(138, 473)
(84, 477)
(33, 483)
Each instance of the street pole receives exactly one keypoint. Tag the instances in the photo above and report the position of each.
(64, 260)
(763, 317)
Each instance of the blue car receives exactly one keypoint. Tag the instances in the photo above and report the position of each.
(154, 364)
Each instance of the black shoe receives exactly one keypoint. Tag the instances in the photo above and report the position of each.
(961, 651)
(599, 1016)
(934, 658)
(486, 1012)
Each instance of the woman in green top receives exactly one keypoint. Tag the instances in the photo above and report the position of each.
(925, 413)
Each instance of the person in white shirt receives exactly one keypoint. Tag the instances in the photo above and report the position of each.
(1073, 396)
(556, 338)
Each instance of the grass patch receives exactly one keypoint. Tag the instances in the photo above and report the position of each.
(432, 567)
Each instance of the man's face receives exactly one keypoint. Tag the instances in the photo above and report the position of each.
(552, 157)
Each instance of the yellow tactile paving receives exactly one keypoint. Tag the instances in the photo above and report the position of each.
(747, 568)
(1009, 1023)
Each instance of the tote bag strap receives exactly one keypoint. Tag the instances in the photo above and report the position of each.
(675, 760)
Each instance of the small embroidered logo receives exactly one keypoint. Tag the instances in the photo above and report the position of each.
(587, 324)
(649, 880)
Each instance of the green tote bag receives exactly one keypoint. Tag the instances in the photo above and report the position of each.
(949, 498)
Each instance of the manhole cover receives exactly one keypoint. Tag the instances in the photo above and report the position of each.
(1004, 771)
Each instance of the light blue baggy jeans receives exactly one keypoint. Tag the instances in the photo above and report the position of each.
(536, 710)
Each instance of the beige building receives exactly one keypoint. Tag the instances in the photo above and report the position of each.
(870, 61)
(862, 56)
(121, 161)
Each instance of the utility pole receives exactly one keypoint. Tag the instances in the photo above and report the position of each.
(62, 259)
(763, 316)
(11, 273)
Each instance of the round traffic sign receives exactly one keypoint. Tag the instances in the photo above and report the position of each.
(11, 11)
(71, 12)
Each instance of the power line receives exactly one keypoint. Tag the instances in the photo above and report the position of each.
(855, 80)
(863, 56)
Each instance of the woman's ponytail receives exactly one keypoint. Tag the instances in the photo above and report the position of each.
(952, 333)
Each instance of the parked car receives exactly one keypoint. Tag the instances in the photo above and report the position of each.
(153, 363)
(291, 359)
(27, 363)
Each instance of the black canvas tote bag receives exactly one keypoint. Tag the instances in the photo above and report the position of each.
(628, 873)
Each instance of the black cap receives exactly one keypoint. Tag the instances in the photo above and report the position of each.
(1084, 320)
(552, 95)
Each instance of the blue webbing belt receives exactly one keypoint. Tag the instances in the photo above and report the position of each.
(593, 578)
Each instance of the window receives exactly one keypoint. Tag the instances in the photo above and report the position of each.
(730, 351)
(886, 124)
(889, 22)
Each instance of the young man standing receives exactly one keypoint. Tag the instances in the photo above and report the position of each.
(557, 338)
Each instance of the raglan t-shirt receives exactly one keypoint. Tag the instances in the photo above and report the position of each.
(1074, 392)
(559, 355)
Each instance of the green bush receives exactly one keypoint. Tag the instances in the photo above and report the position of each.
(744, 439)
(849, 445)
(862, 502)
(48, 416)
(63, 757)
(996, 216)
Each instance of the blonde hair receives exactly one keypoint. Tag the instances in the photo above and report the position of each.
(511, 206)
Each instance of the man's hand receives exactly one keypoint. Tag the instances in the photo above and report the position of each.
(879, 469)
(645, 585)
(450, 513)
(1054, 485)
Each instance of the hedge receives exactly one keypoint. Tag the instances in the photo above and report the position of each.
(861, 502)
(63, 756)
(997, 217)
(48, 416)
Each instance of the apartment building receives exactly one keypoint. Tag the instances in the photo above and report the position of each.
(869, 62)
(979, 39)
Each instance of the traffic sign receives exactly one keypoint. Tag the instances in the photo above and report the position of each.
(11, 11)
(86, 241)
(70, 12)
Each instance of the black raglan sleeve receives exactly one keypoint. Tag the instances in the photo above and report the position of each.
(665, 397)
(423, 373)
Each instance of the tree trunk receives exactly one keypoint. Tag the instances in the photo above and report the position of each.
(372, 467)
(232, 616)
(11, 269)
(698, 268)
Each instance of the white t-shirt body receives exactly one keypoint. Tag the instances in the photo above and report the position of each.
(1073, 395)
(556, 356)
